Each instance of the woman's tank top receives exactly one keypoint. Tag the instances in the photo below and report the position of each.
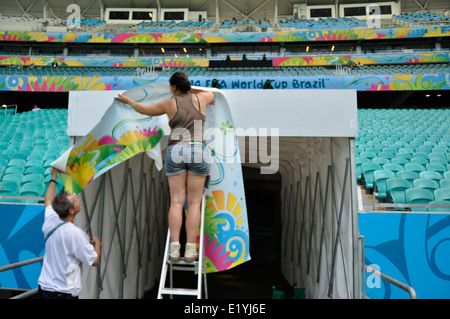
(188, 122)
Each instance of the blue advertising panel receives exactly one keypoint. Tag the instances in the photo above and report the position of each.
(412, 248)
(21, 238)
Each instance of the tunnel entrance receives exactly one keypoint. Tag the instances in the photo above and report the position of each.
(254, 279)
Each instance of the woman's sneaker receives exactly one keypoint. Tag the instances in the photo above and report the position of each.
(190, 253)
(174, 251)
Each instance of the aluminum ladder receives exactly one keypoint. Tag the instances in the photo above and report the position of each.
(183, 265)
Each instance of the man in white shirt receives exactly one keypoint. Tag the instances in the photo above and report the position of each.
(66, 247)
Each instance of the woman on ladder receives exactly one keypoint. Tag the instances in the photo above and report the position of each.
(186, 165)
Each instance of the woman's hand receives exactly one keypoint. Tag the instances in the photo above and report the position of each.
(123, 99)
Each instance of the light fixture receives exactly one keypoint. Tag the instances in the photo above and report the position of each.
(427, 95)
(307, 48)
(438, 95)
(332, 48)
(162, 50)
(184, 50)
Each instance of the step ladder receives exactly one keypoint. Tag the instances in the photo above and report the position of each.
(182, 265)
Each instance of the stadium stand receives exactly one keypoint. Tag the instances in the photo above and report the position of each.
(418, 167)
(426, 18)
(30, 142)
(322, 24)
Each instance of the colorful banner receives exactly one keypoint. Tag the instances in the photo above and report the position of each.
(227, 37)
(200, 62)
(123, 133)
(386, 82)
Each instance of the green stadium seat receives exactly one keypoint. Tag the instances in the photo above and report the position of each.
(32, 189)
(414, 167)
(419, 160)
(380, 177)
(436, 168)
(37, 163)
(33, 170)
(445, 183)
(431, 175)
(393, 167)
(388, 155)
(442, 194)
(369, 155)
(359, 161)
(400, 161)
(8, 187)
(396, 188)
(380, 160)
(16, 162)
(367, 172)
(32, 178)
(418, 196)
(429, 184)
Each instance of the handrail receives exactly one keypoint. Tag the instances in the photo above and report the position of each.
(395, 282)
(27, 293)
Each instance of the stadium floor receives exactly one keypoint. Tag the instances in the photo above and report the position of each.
(250, 280)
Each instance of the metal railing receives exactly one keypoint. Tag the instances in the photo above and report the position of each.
(395, 282)
(379, 274)
(19, 264)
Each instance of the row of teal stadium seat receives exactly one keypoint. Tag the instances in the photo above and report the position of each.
(420, 17)
(227, 71)
(174, 24)
(29, 143)
(323, 24)
(404, 153)
(228, 24)
(69, 71)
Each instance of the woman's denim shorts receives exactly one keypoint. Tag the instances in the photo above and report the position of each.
(191, 158)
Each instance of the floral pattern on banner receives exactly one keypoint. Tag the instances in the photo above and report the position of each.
(309, 60)
(174, 37)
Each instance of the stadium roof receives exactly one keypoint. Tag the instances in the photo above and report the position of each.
(240, 9)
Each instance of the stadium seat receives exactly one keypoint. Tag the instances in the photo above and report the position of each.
(32, 178)
(393, 167)
(359, 162)
(433, 167)
(419, 160)
(396, 188)
(8, 187)
(32, 189)
(445, 183)
(414, 167)
(418, 196)
(440, 161)
(380, 177)
(442, 194)
(431, 175)
(400, 161)
(367, 172)
(368, 155)
(429, 184)
(387, 155)
(16, 162)
(380, 160)
(38, 163)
